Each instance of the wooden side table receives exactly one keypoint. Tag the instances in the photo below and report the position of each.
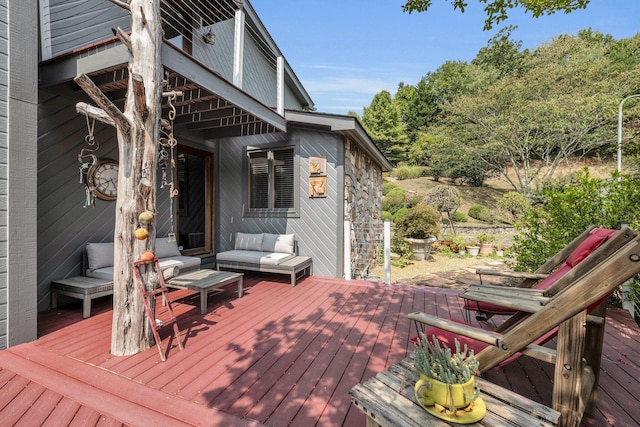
(84, 288)
(388, 400)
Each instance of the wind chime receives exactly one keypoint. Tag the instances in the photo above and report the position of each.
(166, 160)
(87, 160)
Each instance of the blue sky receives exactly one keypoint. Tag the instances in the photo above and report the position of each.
(346, 51)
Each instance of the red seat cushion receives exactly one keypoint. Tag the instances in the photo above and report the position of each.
(586, 247)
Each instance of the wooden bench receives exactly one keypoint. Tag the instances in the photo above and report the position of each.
(84, 288)
(204, 281)
(388, 400)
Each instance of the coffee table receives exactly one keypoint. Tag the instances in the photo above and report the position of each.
(204, 281)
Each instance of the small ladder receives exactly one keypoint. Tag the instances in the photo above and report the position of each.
(147, 296)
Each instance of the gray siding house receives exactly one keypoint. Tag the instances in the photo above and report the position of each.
(248, 145)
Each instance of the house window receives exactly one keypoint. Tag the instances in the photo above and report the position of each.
(272, 181)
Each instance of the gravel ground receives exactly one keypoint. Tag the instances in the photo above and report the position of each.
(445, 272)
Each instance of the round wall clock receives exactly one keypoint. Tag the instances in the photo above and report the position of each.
(103, 176)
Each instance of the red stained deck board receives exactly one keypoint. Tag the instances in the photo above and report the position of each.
(109, 394)
(275, 332)
(286, 354)
(269, 359)
(41, 409)
(291, 390)
(233, 338)
(297, 354)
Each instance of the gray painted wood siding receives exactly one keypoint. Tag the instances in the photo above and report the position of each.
(4, 176)
(18, 78)
(70, 24)
(318, 229)
(64, 225)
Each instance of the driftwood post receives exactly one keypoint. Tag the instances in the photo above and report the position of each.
(137, 132)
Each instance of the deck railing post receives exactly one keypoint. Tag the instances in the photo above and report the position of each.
(387, 252)
(347, 250)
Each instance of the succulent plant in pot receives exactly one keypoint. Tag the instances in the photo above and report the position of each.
(446, 387)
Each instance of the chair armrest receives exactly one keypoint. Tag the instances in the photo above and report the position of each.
(488, 337)
(510, 273)
(518, 299)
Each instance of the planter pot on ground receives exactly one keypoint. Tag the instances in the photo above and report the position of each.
(473, 250)
(452, 402)
(486, 249)
(420, 247)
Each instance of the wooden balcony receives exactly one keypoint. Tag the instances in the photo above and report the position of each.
(278, 356)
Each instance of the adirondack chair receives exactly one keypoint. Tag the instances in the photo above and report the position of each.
(575, 307)
(547, 274)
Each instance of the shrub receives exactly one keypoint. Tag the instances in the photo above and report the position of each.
(400, 214)
(481, 213)
(387, 216)
(388, 186)
(420, 222)
(407, 172)
(458, 216)
(513, 205)
(566, 209)
(393, 202)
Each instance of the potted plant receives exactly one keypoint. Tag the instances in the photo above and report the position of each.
(486, 243)
(473, 249)
(446, 387)
(418, 229)
(459, 243)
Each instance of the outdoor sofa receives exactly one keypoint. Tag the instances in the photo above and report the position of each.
(99, 258)
(265, 253)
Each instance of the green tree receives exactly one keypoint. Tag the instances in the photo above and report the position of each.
(497, 10)
(563, 105)
(502, 53)
(382, 121)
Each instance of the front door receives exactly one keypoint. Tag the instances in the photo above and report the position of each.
(195, 200)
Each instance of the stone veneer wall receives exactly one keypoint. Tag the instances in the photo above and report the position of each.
(363, 208)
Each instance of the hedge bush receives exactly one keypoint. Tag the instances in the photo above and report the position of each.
(458, 216)
(481, 213)
(407, 172)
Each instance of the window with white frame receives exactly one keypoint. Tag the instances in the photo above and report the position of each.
(272, 180)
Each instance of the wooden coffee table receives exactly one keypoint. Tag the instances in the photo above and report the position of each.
(204, 281)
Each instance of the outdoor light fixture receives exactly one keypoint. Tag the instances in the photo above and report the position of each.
(209, 38)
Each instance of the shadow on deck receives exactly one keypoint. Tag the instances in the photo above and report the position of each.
(279, 356)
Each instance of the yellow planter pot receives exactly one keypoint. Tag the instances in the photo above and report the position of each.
(439, 399)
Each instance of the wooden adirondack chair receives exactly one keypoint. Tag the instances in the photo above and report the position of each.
(545, 276)
(566, 307)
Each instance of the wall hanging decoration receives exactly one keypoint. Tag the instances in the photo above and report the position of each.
(317, 177)
(317, 166)
(88, 160)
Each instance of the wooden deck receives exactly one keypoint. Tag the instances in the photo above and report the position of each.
(279, 356)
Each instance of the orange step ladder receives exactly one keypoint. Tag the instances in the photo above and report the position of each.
(147, 296)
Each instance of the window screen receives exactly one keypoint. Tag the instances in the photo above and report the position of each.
(271, 179)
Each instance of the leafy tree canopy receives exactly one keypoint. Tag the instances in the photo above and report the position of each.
(497, 10)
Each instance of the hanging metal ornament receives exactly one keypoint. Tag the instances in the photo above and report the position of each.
(166, 159)
(86, 160)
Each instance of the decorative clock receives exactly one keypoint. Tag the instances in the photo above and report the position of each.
(103, 177)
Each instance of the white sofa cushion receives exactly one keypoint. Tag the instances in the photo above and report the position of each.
(249, 241)
(254, 257)
(283, 243)
(166, 249)
(99, 255)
